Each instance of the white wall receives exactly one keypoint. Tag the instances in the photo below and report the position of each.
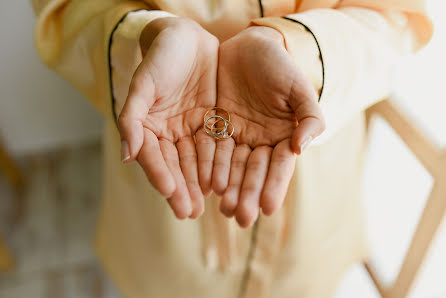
(38, 110)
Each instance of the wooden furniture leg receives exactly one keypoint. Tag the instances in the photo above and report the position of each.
(434, 160)
(14, 176)
(6, 260)
(9, 168)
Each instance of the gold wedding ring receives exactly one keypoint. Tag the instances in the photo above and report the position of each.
(216, 110)
(213, 125)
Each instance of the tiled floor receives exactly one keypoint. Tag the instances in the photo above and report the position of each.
(50, 228)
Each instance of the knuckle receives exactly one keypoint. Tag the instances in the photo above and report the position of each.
(205, 141)
(225, 147)
(244, 148)
(192, 182)
(254, 165)
(238, 164)
(220, 164)
(280, 158)
(249, 189)
(189, 157)
(171, 160)
(276, 180)
(234, 186)
(204, 164)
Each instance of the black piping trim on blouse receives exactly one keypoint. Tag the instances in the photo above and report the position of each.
(110, 79)
(320, 52)
(261, 8)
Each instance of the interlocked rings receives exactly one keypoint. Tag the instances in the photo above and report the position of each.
(212, 128)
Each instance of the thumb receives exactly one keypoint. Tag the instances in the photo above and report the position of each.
(309, 117)
(133, 114)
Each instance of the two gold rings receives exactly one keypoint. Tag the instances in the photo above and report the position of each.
(218, 126)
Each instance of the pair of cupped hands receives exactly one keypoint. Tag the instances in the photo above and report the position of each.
(186, 71)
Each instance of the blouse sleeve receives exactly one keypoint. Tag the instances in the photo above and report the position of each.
(350, 52)
(73, 37)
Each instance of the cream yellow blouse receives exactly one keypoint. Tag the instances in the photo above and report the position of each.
(347, 48)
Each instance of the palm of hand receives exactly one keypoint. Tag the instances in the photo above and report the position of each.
(182, 82)
(178, 111)
(265, 93)
(178, 115)
(254, 87)
(170, 91)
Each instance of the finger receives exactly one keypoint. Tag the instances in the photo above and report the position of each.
(151, 160)
(205, 150)
(188, 163)
(304, 102)
(228, 204)
(256, 170)
(222, 165)
(130, 122)
(180, 199)
(306, 131)
(280, 172)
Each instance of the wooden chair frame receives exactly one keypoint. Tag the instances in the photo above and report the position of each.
(12, 172)
(434, 160)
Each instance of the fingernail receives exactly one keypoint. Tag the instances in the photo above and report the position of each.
(305, 143)
(125, 151)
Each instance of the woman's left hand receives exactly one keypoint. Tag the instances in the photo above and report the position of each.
(163, 115)
(275, 113)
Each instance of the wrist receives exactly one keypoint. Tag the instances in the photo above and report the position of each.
(151, 31)
(301, 45)
(263, 32)
(184, 28)
(125, 50)
(155, 27)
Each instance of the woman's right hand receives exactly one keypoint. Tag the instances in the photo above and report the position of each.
(169, 93)
(275, 112)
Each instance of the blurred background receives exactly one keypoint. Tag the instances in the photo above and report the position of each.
(54, 136)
